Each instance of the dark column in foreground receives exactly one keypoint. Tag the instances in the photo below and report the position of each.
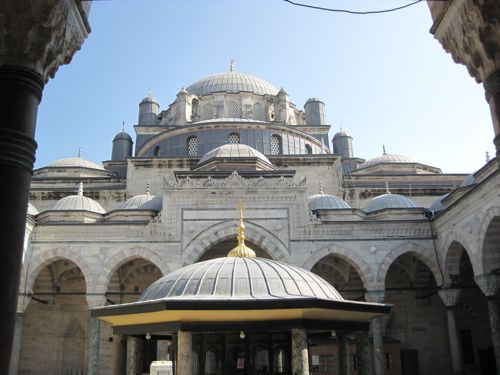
(20, 95)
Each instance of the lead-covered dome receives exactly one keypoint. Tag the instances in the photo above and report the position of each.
(234, 150)
(232, 82)
(386, 159)
(322, 201)
(389, 201)
(77, 162)
(77, 202)
(240, 278)
(142, 202)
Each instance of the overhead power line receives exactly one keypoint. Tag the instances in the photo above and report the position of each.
(353, 11)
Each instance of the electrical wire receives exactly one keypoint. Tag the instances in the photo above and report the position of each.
(353, 11)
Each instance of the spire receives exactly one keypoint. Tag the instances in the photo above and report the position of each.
(487, 156)
(231, 65)
(79, 152)
(148, 191)
(387, 191)
(123, 126)
(321, 188)
(241, 250)
(383, 148)
(80, 189)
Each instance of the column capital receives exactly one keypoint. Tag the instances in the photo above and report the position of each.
(450, 296)
(42, 35)
(469, 31)
(95, 300)
(375, 296)
(489, 284)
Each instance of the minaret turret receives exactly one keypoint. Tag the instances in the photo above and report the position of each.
(315, 112)
(342, 144)
(122, 146)
(148, 111)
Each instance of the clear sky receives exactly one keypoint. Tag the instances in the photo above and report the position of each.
(382, 77)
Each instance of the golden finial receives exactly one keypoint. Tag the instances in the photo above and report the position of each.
(241, 250)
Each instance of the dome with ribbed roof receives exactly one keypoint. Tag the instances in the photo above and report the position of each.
(386, 159)
(123, 135)
(389, 201)
(77, 162)
(232, 82)
(234, 150)
(77, 202)
(142, 202)
(322, 201)
(235, 278)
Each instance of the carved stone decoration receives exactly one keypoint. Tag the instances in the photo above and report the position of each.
(470, 30)
(41, 35)
(450, 296)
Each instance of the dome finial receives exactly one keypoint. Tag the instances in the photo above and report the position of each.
(383, 148)
(487, 157)
(241, 250)
(231, 65)
(79, 152)
(148, 191)
(80, 189)
(123, 126)
(387, 191)
(321, 188)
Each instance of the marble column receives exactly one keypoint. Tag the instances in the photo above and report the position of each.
(363, 353)
(344, 356)
(36, 37)
(184, 353)
(22, 304)
(119, 355)
(300, 353)
(376, 325)
(450, 297)
(94, 300)
(134, 356)
(490, 286)
(470, 32)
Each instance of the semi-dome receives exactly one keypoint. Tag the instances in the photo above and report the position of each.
(234, 150)
(77, 202)
(235, 278)
(322, 201)
(142, 202)
(232, 82)
(77, 162)
(389, 201)
(386, 159)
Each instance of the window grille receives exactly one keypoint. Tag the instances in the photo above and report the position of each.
(192, 146)
(233, 138)
(275, 145)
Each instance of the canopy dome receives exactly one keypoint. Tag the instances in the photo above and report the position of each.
(142, 202)
(234, 150)
(236, 278)
(77, 162)
(322, 201)
(122, 135)
(389, 201)
(77, 202)
(232, 82)
(386, 159)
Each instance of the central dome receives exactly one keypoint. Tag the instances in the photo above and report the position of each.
(232, 82)
(240, 278)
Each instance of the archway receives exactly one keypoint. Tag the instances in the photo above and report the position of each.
(220, 249)
(55, 322)
(342, 275)
(491, 246)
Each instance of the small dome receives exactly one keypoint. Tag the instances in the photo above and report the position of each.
(324, 201)
(386, 159)
(389, 201)
(234, 150)
(468, 180)
(438, 205)
(239, 278)
(149, 99)
(122, 136)
(340, 133)
(142, 202)
(314, 99)
(77, 202)
(232, 82)
(77, 162)
(32, 211)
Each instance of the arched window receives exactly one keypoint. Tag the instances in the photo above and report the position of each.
(233, 110)
(207, 112)
(156, 151)
(308, 149)
(192, 146)
(275, 144)
(233, 138)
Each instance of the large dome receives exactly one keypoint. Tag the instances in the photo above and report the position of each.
(232, 82)
(240, 278)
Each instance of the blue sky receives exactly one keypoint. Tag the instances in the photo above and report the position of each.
(383, 77)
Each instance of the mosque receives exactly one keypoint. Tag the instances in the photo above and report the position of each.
(150, 229)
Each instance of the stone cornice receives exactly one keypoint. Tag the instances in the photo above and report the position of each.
(469, 30)
(41, 35)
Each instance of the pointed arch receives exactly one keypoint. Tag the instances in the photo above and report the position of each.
(451, 254)
(118, 258)
(361, 267)
(43, 259)
(489, 234)
(412, 249)
(227, 229)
